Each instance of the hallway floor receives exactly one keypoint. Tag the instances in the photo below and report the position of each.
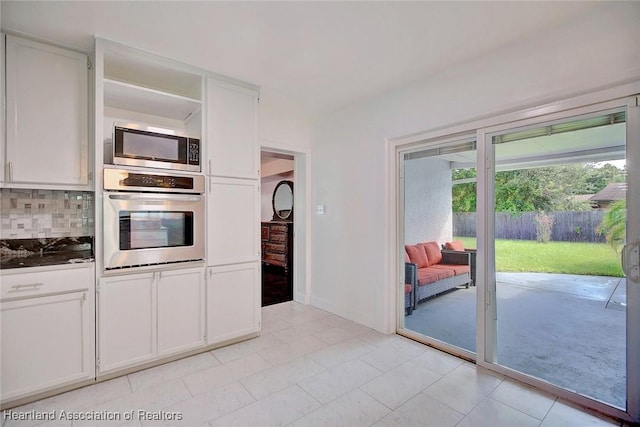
(312, 368)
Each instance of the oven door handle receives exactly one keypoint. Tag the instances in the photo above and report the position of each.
(156, 197)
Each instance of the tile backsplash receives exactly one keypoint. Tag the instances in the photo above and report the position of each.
(30, 214)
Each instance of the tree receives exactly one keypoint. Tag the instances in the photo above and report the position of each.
(538, 189)
(464, 195)
(614, 224)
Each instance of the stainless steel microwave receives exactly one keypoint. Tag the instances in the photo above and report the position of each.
(148, 146)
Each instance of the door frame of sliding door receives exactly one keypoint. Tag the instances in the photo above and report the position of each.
(395, 260)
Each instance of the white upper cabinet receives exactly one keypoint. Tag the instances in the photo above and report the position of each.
(231, 131)
(46, 115)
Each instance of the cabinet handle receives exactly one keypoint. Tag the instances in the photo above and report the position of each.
(23, 287)
(9, 174)
(210, 167)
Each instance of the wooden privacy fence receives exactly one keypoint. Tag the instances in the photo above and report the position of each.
(567, 226)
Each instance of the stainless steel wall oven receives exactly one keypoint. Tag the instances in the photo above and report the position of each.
(151, 218)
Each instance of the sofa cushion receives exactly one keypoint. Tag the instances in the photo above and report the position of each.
(417, 255)
(427, 277)
(458, 269)
(455, 245)
(432, 250)
(441, 273)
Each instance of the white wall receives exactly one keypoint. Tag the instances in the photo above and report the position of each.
(284, 124)
(427, 200)
(349, 164)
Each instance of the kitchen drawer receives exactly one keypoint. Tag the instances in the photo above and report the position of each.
(27, 285)
(275, 258)
(275, 247)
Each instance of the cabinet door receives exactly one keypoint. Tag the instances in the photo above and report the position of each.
(233, 221)
(126, 321)
(3, 116)
(232, 143)
(181, 298)
(47, 114)
(44, 343)
(233, 301)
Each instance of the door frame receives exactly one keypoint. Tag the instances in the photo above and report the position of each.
(302, 219)
(395, 260)
(487, 317)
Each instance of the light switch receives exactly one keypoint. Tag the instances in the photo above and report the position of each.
(321, 210)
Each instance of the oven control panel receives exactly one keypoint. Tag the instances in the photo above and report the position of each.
(124, 180)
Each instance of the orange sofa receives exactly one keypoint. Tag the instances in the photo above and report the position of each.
(431, 271)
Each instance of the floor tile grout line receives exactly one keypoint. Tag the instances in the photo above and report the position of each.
(519, 410)
(555, 400)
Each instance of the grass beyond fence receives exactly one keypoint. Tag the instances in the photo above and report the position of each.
(592, 259)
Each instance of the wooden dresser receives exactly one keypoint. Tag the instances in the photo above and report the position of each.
(277, 244)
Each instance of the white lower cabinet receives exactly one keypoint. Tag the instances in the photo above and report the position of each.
(126, 321)
(143, 317)
(233, 301)
(180, 311)
(47, 331)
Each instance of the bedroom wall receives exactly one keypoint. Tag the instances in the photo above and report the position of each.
(349, 244)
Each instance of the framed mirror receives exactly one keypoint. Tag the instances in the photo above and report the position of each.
(282, 201)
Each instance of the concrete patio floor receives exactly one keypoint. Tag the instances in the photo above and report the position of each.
(565, 329)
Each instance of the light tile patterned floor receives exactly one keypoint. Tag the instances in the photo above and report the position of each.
(312, 368)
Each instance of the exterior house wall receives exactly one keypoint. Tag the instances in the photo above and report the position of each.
(350, 244)
(427, 200)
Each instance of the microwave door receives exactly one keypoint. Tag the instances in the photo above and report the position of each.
(137, 147)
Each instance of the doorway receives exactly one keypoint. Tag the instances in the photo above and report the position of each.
(527, 289)
(277, 222)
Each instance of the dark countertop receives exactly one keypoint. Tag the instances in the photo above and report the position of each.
(19, 253)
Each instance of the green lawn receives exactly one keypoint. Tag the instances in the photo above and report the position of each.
(594, 259)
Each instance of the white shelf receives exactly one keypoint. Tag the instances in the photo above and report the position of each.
(127, 96)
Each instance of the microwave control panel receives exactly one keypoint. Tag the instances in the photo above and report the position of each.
(194, 151)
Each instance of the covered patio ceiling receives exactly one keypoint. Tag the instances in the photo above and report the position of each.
(543, 147)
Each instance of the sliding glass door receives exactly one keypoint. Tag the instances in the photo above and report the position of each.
(438, 189)
(560, 194)
(545, 212)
